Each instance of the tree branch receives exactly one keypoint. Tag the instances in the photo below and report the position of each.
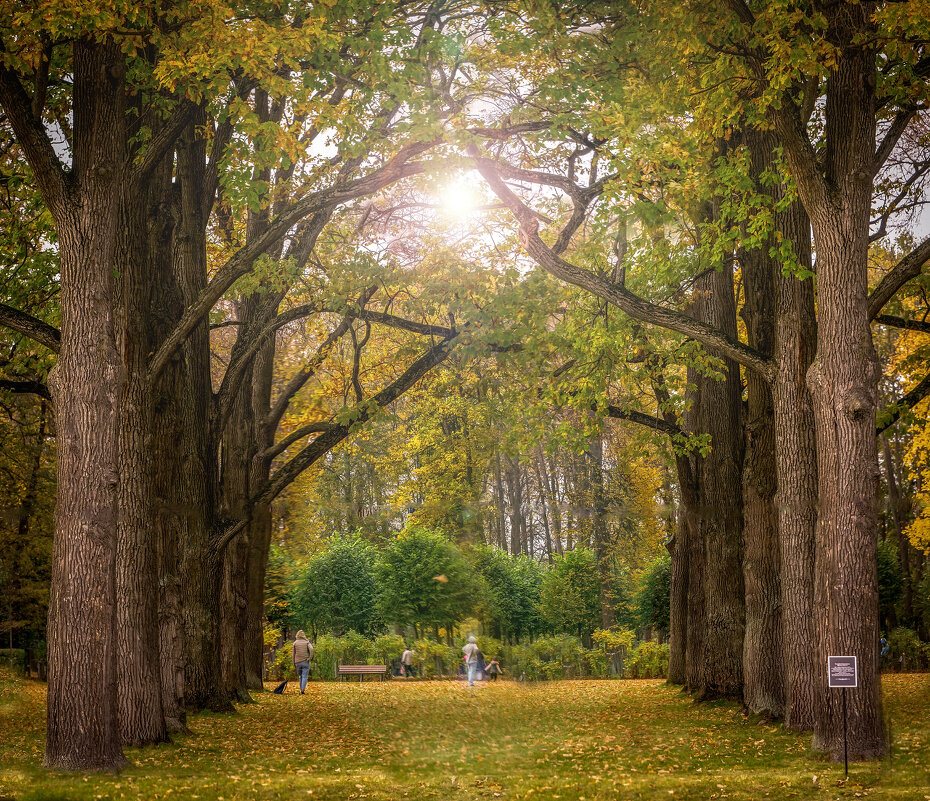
(891, 138)
(393, 321)
(164, 140)
(617, 294)
(907, 268)
(241, 262)
(26, 388)
(656, 423)
(909, 401)
(31, 135)
(900, 322)
(290, 439)
(31, 327)
(324, 443)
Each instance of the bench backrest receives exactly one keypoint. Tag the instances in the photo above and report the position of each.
(363, 668)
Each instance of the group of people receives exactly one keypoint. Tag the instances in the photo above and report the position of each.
(472, 659)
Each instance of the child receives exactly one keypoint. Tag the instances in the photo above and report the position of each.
(494, 669)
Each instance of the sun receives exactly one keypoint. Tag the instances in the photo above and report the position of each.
(459, 199)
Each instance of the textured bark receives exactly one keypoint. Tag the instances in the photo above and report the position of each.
(844, 384)
(721, 522)
(82, 729)
(685, 531)
(199, 571)
(141, 716)
(694, 641)
(763, 677)
(169, 394)
(234, 488)
(796, 464)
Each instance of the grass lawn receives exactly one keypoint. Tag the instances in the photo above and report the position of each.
(439, 740)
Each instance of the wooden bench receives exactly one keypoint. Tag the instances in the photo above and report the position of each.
(361, 670)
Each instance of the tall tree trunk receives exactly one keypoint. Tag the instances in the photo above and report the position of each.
(722, 513)
(796, 467)
(83, 732)
(763, 676)
(200, 572)
(141, 715)
(844, 384)
(686, 531)
(599, 532)
(694, 642)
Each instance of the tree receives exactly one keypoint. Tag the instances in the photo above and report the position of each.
(513, 591)
(425, 580)
(338, 589)
(569, 598)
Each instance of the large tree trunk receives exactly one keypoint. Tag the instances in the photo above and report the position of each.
(83, 732)
(141, 716)
(796, 466)
(200, 572)
(763, 677)
(844, 384)
(721, 521)
(694, 552)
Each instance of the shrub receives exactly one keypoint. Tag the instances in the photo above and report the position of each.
(906, 651)
(14, 658)
(648, 660)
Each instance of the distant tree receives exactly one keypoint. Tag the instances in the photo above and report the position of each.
(424, 579)
(511, 603)
(652, 600)
(338, 591)
(279, 577)
(569, 595)
(890, 583)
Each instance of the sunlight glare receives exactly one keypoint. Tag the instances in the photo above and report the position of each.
(459, 199)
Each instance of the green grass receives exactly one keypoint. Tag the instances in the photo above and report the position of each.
(438, 740)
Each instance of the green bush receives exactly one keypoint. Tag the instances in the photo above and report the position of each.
(906, 651)
(15, 658)
(648, 660)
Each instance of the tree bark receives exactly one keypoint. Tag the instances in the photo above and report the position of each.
(83, 731)
(721, 522)
(763, 677)
(796, 466)
(141, 715)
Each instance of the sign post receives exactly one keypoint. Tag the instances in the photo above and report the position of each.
(843, 671)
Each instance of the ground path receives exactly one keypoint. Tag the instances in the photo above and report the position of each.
(587, 740)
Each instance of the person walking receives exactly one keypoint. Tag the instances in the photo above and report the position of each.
(406, 661)
(301, 654)
(470, 651)
(494, 669)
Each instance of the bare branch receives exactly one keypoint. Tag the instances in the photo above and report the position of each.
(907, 268)
(26, 388)
(31, 327)
(900, 322)
(290, 439)
(909, 401)
(324, 443)
(656, 423)
(31, 135)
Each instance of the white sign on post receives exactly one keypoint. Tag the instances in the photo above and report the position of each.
(842, 671)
